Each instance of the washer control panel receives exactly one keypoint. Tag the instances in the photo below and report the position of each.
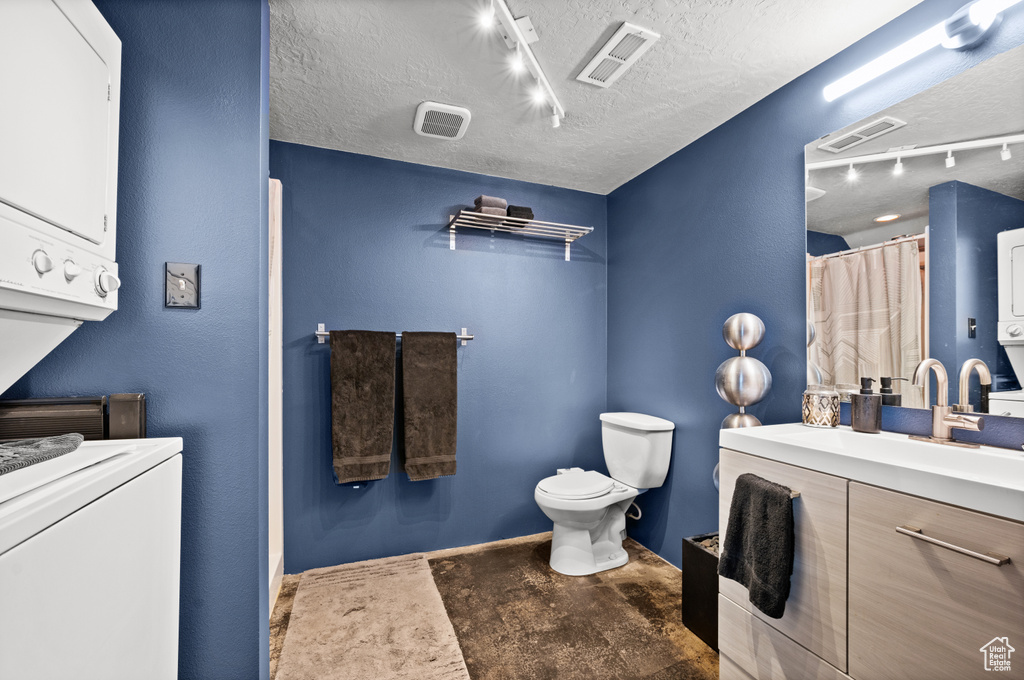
(31, 262)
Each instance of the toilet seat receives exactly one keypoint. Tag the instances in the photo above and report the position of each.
(576, 485)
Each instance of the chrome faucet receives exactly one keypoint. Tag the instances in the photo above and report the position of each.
(944, 421)
(984, 377)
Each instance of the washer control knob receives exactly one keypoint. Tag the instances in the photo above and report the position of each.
(106, 282)
(41, 261)
(1014, 330)
(71, 270)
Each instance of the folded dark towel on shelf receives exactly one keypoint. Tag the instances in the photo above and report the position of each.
(486, 210)
(362, 404)
(520, 211)
(760, 542)
(24, 452)
(431, 402)
(490, 202)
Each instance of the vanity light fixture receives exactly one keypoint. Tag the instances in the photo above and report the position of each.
(898, 168)
(1005, 153)
(950, 161)
(887, 218)
(964, 30)
(512, 32)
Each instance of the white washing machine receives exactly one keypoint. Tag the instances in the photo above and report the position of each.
(89, 563)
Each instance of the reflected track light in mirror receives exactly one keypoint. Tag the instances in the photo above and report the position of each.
(1005, 153)
(965, 29)
(950, 161)
(898, 168)
(851, 174)
(888, 218)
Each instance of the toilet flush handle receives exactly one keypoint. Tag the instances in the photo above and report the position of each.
(638, 514)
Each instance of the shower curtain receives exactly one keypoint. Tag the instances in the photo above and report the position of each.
(866, 308)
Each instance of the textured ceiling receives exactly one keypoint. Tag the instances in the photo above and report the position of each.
(985, 101)
(348, 75)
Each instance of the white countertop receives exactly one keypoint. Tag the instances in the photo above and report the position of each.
(987, 479)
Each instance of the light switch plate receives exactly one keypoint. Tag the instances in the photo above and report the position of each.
(182, 289)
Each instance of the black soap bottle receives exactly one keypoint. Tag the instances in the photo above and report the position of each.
(888, 397)
(866, 409)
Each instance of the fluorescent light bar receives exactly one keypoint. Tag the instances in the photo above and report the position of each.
(916, 46)
(955, 33)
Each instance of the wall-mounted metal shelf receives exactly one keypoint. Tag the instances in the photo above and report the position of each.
(515, 225)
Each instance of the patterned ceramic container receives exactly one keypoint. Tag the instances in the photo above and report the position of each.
(821, 406)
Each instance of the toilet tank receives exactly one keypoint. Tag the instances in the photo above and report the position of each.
(637, 448)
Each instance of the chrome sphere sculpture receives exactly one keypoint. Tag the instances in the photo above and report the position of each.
(742, 380)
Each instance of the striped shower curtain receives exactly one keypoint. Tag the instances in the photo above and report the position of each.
(866, 308)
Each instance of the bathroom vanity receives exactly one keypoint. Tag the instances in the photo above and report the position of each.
(909, 558)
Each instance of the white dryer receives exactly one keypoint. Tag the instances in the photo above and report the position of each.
(89, 563)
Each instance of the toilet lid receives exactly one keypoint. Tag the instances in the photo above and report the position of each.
(578, 485)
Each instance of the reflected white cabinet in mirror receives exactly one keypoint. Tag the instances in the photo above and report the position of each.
(903, 208)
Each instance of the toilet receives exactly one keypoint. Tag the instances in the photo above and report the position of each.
(589, 509)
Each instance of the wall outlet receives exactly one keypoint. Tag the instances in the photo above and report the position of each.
(182, 285)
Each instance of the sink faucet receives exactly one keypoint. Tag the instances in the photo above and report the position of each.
(984, 376)
(943, 418)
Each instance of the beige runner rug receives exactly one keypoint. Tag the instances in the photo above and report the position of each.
(380, 619)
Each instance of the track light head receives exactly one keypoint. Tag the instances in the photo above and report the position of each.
(950, 161)
(851, 174)
(898, 168)
(1005, 153)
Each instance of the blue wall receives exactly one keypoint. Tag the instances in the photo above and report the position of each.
(191, 189)
(364, 247)
(819, 243)
(964, 220)
(718, 228)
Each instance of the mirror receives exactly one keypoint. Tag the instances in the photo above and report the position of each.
(903, 208)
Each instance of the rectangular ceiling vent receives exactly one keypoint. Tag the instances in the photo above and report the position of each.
(617, 55)
(443, 121)
(862, 134)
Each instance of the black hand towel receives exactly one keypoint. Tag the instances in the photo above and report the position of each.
(520, 211)
(759, 542)
(430, 392)
(362, 403)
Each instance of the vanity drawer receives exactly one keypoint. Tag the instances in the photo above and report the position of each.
(923, 610)
(750, 648)
(816, 609)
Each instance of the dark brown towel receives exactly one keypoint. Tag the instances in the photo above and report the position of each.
(362, 403)
(430, 386)
(760, 542)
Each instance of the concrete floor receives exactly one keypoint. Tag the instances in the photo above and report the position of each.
(516, 618)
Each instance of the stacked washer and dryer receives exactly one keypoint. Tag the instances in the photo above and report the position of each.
(89, 541)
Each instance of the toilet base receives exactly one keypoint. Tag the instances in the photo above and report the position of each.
(580, 552)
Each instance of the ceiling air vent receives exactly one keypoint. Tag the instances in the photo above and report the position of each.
(862, 134)
(441, 120)
(617, 55)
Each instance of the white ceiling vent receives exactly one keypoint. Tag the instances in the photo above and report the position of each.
(443, 121)
(617, 55)
(862, 134)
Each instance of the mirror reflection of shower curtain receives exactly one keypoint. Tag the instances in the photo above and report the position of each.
(867, 311)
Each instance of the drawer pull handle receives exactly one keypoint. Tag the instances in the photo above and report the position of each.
(991, 558)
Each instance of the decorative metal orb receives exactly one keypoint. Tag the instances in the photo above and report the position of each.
(735, 420)
(743, 331)
(742, 380)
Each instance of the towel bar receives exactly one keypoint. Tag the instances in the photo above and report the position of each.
(322, 334)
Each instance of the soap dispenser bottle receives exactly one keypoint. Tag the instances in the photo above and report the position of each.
(889, 398)
(866, 409)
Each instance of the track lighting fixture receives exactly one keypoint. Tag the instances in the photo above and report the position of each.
(851, 174)
(898, 168)
(950, 161)
(1005, 153)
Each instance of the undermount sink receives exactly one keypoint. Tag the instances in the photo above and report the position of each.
(988, 479)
